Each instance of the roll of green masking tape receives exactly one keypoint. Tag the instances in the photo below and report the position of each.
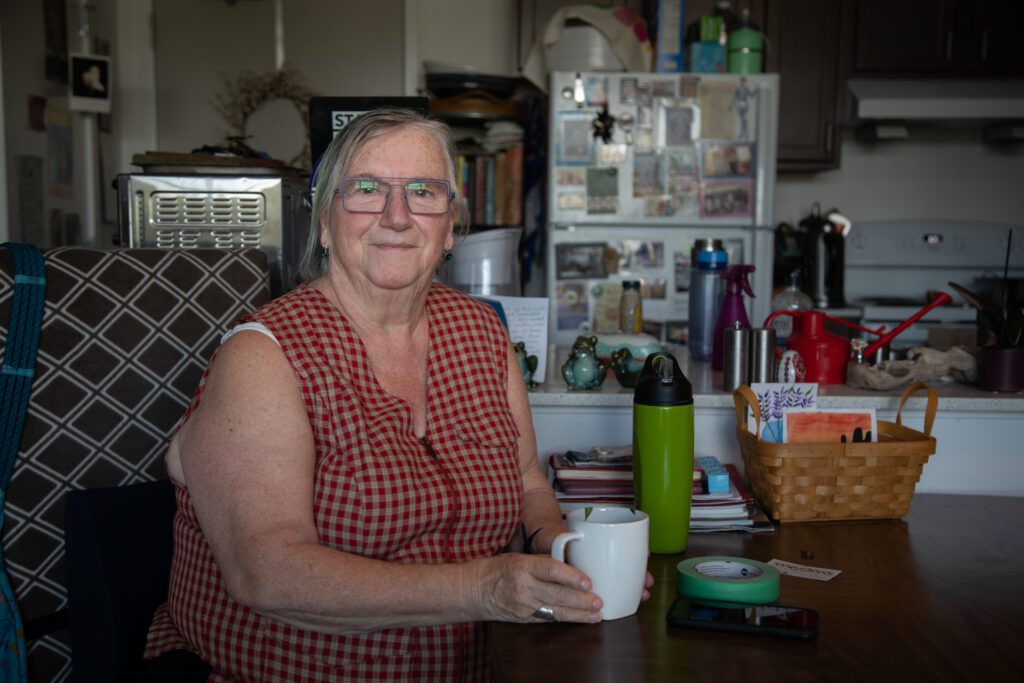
(729, 579)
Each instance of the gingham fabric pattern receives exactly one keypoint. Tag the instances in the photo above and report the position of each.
(126, 335)
(378, 492)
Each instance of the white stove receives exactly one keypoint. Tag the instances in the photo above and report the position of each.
(892, 267)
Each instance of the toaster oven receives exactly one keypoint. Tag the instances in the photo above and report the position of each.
(179, 211)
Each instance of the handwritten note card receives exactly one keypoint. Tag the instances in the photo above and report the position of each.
(804, 571)
(528, 322)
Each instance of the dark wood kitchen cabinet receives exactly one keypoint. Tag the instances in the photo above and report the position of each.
(805, 43)
(805, 47)
(938, 38)
(995, 46)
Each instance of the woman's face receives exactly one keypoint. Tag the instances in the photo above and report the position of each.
(394, 249)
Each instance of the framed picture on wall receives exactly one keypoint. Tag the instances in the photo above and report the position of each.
(90, 83)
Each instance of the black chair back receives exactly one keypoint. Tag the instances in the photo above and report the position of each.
(118, 544)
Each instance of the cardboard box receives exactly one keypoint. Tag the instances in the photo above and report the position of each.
(707, 58)
(671, 39)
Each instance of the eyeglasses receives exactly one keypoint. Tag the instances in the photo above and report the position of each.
(423, 196)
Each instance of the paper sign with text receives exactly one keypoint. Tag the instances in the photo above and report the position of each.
(528, 322)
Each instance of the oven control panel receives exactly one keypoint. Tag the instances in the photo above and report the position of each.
(933, 244)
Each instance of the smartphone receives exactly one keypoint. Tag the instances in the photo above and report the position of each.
(777, 621)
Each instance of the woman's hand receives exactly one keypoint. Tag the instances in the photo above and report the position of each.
(648, 584)
(512, 586)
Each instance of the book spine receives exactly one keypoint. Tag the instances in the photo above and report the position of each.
(480, 190)
(515, 185)
(489, 191)
(500, 187)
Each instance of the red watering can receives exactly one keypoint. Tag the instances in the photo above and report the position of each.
(825, 354)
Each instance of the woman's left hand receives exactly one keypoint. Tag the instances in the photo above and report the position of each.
(648, 584)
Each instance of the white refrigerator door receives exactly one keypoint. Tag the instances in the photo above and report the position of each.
(682, 149)
(587, 265)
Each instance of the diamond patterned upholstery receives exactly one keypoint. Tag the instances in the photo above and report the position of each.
(126, 336)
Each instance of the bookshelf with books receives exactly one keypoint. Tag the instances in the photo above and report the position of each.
(489, 140)
(492, 184)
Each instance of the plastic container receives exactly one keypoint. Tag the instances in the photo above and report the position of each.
(789, 299)
(706, 289)
(745, 47)
(663, 451)
(732, 310)
(631, 308)
(486, 263)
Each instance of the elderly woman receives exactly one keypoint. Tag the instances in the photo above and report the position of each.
(361, 450)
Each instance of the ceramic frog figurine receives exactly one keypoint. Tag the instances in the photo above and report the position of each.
(621, 362)
(583, 369)
(528, 364)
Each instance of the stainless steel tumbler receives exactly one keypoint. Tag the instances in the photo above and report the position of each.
(762, 355)
(735, 352)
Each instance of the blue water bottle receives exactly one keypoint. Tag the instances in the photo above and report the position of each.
(706, 290)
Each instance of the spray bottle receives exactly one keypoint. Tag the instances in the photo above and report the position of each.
(732, 310)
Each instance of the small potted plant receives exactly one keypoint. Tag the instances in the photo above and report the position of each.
(1001, 356)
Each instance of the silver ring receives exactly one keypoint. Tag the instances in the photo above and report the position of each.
(544, 613)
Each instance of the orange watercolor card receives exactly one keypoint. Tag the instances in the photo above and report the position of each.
(828, 425)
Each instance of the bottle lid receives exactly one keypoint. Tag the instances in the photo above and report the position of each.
(712, 258)
(662, 383)
(707, 244)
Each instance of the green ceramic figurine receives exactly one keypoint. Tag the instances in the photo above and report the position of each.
(528, 364)
(584, 370)
(621, 362)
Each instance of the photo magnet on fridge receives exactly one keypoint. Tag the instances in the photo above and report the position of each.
(574, 142)
(727, 159)
(629, 90)
(602, 190)
(726, 199)
(681, 125)
(583, 261)
(572, 307)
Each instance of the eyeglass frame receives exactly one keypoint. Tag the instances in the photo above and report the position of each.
(405, 198)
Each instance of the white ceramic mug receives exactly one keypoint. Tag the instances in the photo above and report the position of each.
(610, 546)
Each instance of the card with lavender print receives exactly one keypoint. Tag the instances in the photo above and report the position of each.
(775, 398)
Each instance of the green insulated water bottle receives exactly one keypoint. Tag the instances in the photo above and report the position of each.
(663, 451)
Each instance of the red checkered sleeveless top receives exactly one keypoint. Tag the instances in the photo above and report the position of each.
(379, 492)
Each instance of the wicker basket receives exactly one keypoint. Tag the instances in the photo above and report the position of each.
(810, 482)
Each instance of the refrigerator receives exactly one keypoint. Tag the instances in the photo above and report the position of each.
(640, 166)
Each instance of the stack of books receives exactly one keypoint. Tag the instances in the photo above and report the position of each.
(594, 478)
(605, 477)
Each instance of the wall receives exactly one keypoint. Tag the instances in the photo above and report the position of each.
(336, 48)
(22, 27)
(938, 172)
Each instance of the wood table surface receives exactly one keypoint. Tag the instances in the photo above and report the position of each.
(936, 596)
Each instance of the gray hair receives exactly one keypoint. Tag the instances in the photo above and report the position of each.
(337, 160)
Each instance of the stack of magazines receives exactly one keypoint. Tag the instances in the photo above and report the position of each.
(604, 476)
(734, 510)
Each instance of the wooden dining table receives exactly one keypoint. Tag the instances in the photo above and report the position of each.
(936, 596)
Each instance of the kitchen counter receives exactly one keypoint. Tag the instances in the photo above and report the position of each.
(977, 432)
(708, 393)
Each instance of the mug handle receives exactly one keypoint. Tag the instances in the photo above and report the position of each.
(558, 547)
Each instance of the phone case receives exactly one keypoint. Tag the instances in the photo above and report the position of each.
(680, 614)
